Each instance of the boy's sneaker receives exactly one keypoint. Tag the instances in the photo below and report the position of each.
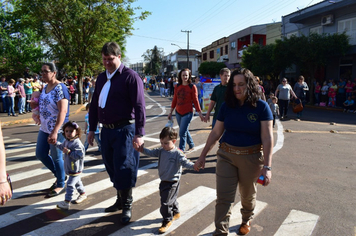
(176, 216)
(80, 198)
(64, 205)
(165, 226)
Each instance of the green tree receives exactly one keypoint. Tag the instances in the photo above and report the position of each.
(313, 51)
(20, 46)
(307, 52)
(153, 59)
(211, 68)
(75, 31)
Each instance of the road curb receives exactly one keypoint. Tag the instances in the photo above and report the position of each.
(29, 120)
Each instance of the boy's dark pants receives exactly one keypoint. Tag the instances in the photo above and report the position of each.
(169, 205)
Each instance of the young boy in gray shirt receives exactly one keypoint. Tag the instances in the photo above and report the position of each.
(170, 162)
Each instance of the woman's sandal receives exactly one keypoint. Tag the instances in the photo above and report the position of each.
(54, 185)
(53, 193)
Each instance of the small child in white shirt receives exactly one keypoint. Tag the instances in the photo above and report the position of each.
(274, 108)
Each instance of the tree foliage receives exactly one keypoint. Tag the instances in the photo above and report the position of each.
(153, 59)
(20, 46)
(75, 31)
(313, 51)
(307, 52)
(211, 68)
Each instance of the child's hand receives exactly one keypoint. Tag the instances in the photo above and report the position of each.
(137, 147)
(66, 150)
(199, 164)
(196, 166)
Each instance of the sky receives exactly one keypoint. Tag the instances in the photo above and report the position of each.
(209, 20)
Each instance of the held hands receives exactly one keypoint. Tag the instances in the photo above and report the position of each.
(207, 118)
(169, 116)
(52, 138)
(199, 164)
(201, 116)
(138, 147)
(137, 143)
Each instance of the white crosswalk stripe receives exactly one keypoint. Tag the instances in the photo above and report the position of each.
(91, 213)
(297, 222)
(188, 208)
(235, 219)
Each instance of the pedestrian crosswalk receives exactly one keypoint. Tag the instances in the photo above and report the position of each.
(24, 168)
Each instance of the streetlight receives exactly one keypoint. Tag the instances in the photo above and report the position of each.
(176, 45)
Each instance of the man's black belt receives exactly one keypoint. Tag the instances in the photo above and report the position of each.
(118, 124)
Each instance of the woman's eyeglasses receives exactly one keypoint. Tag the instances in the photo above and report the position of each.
(45, 71)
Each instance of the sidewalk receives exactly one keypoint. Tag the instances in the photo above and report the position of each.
(27, 118)
(74, 109)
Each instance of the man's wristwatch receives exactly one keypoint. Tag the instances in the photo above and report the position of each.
(267, 167)
(139, 135)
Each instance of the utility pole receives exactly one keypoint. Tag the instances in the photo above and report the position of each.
(187, 31)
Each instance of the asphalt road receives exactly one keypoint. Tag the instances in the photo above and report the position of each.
(312, 190)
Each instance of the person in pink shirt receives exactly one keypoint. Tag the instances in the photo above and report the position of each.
(348, 88)
(11, 93)
(22, 96)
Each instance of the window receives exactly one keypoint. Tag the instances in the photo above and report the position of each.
(260, 41)
(349, 27)
(221, 51)
(211, 54)
(205, 56)
(233, 45)
(316, 30)
(226, 49)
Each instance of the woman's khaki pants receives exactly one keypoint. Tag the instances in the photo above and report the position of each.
(233, 170)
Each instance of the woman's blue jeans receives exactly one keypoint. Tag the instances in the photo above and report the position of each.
(51, 156)
(11, 105)
(184, 122)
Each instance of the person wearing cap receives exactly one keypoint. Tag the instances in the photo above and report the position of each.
(22, 96)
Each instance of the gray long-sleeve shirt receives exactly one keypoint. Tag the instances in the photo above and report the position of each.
(169, 162)
(74, 161)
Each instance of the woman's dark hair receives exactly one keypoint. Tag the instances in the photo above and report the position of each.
(73, 125)
(111, 48)
(252, 90)
(180, 80)
(52, 67)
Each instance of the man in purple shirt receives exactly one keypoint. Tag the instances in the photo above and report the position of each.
(118, 103)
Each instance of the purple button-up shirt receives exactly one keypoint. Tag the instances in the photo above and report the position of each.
(125, 100)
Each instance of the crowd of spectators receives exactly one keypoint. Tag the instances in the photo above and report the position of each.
(16, 94)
